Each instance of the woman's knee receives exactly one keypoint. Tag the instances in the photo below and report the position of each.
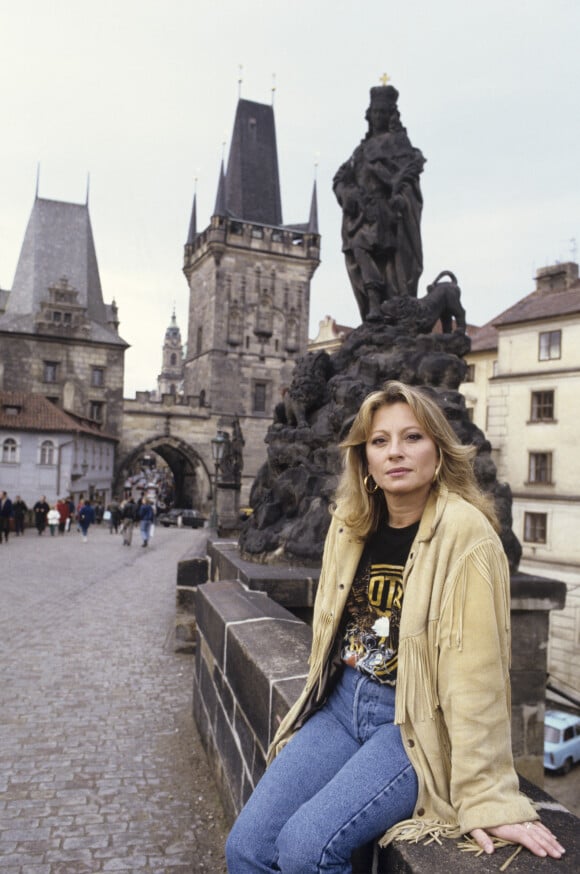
(300, 848)
(248, 847)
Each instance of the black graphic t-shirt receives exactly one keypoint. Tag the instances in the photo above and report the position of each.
(373, 609)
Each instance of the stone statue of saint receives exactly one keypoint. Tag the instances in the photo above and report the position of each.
(378, 190)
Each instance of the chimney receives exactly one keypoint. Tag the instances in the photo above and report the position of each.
(558, 277)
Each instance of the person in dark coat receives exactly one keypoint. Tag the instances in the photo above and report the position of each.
(19, 510)
(5, 516)
(41, 509)
(146, 519)
(86, 518)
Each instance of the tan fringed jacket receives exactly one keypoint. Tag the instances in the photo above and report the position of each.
(453, 692)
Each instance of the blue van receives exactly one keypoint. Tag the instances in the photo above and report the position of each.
(561, 741)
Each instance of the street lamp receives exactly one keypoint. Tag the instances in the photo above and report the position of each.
(218, 445)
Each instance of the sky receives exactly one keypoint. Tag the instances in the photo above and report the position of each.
(137, 100)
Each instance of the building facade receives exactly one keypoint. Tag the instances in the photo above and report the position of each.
(45, 451)
(57, 336)
(526, 385)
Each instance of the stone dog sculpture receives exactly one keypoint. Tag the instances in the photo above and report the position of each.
(441, 303)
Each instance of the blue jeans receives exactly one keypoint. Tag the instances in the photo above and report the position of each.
(341, 782)
(145, 527)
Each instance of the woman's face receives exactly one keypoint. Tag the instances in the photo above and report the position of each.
(401, 456)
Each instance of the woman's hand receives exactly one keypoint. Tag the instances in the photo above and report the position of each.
(538, 839)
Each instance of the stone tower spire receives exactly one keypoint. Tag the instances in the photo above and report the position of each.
(249, 279)
(170, 380)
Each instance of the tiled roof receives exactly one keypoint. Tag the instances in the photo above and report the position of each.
(483, 339)
(36, 413)
(542, 305)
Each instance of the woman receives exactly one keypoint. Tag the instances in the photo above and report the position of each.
(403, 728)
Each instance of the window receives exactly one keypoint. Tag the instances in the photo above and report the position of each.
(47, 452)
(259, 399)
(96, 411)
(550, 345)
(67, 318)
(9, 451)
(199, 340)
(542, 406)
(50, 371)
(470, 375)
(56, 316)
(540, 467)
(173, 359)
(97, 377)
(535, 526)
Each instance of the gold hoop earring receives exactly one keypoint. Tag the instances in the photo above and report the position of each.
(438, 468)
(366, 485)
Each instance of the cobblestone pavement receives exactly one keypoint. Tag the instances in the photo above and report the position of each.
(101, 768)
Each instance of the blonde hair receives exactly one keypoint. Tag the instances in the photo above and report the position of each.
(363, 511)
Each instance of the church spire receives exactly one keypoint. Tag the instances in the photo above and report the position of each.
(192, 232)
(220, 201)
(313, 219)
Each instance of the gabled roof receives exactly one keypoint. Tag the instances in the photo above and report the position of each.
(24, 411)
(542, 305)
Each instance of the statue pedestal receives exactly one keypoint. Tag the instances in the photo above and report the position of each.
(228, 507)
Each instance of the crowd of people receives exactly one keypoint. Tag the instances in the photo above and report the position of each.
(64, 515)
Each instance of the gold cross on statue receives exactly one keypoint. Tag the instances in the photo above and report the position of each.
(384, 79)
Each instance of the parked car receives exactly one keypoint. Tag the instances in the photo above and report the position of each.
(189, 518)
(561, 740)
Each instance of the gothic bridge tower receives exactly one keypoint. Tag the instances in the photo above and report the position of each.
(249, 279)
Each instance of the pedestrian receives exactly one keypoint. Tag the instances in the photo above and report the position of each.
(99, 512)
(5, 516)
(128, 511)
(146, 518)
(40, 509)
(19, 510)
(53, 519)
(405, 715)
(86, 518)
(114, 516)
(63, 508)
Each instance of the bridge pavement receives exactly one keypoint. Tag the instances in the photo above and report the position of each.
(101, 768)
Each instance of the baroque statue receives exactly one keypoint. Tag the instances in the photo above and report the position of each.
(378, 190)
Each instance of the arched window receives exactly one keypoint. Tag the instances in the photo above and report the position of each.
(173, 359)
(47, 452)
(9, 451)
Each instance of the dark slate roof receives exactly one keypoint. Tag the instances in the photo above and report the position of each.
(542, 305)
(58, 243)
(36, 413)
(252, 190)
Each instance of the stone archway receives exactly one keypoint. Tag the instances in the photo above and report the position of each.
(192, 480)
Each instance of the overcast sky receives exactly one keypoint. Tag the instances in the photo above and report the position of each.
(142, 95)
